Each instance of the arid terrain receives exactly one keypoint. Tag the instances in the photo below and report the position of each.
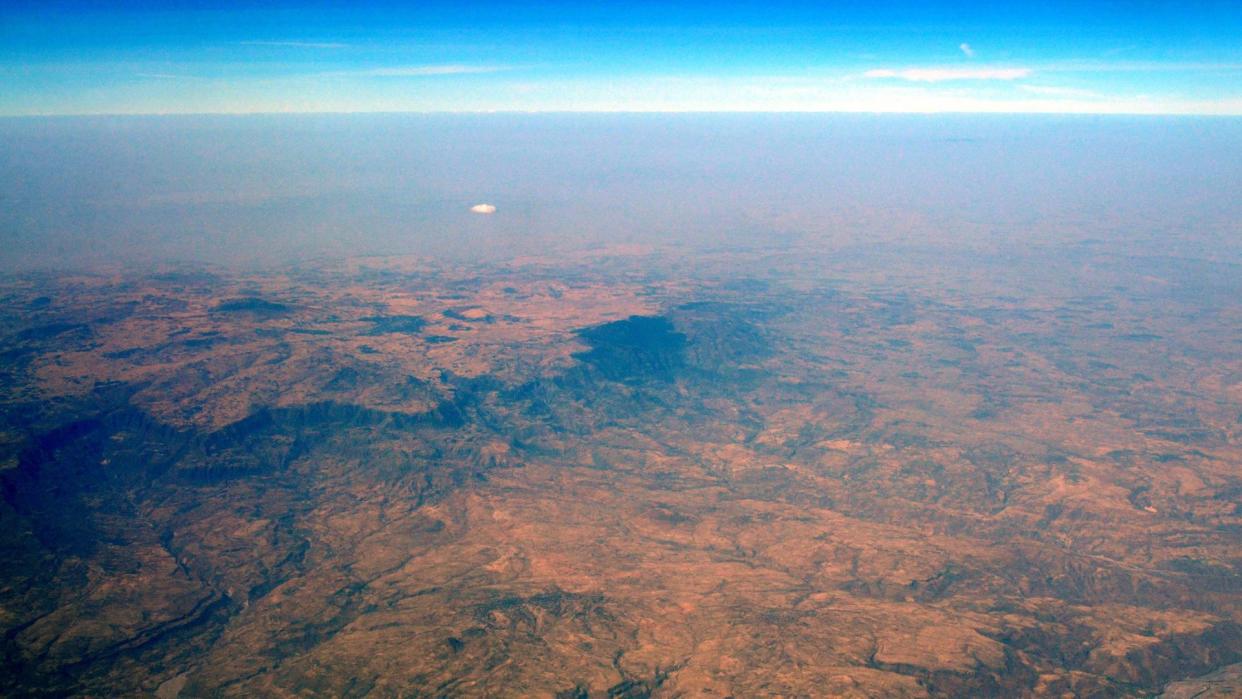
(636, 471)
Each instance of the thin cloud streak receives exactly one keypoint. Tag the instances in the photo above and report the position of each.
(966, 49)
(1087, 66)
(427, 70)
(937, 75)
(296, 44)
(1055, 91)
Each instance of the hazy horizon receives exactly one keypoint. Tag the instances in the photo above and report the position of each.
(266, 190)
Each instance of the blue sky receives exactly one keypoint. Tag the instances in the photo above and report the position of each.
(193, 57)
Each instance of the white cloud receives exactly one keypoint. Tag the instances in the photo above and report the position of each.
(1055, 91)
(1140, 67)
(421, 71)
(965, 47)
(937, 75)
(297, 44)
(483, 209)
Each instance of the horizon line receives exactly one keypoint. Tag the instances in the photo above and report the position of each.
(466, 112)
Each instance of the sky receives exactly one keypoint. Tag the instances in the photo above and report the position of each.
(930, 56)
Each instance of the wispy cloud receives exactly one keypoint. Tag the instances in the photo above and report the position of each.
(428, 70)
(763, 94)
(1088, 66)
(297, 44)
(937, 75)
(965, 48)
(1057, 91)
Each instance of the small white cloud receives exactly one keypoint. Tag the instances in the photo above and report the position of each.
(965, 47)
(483, 209)
(937, 75)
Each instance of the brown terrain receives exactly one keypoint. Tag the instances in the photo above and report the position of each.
(628, 473)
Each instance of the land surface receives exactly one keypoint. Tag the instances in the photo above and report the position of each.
(627, 472)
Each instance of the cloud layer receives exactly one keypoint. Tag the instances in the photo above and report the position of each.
(938, 75)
